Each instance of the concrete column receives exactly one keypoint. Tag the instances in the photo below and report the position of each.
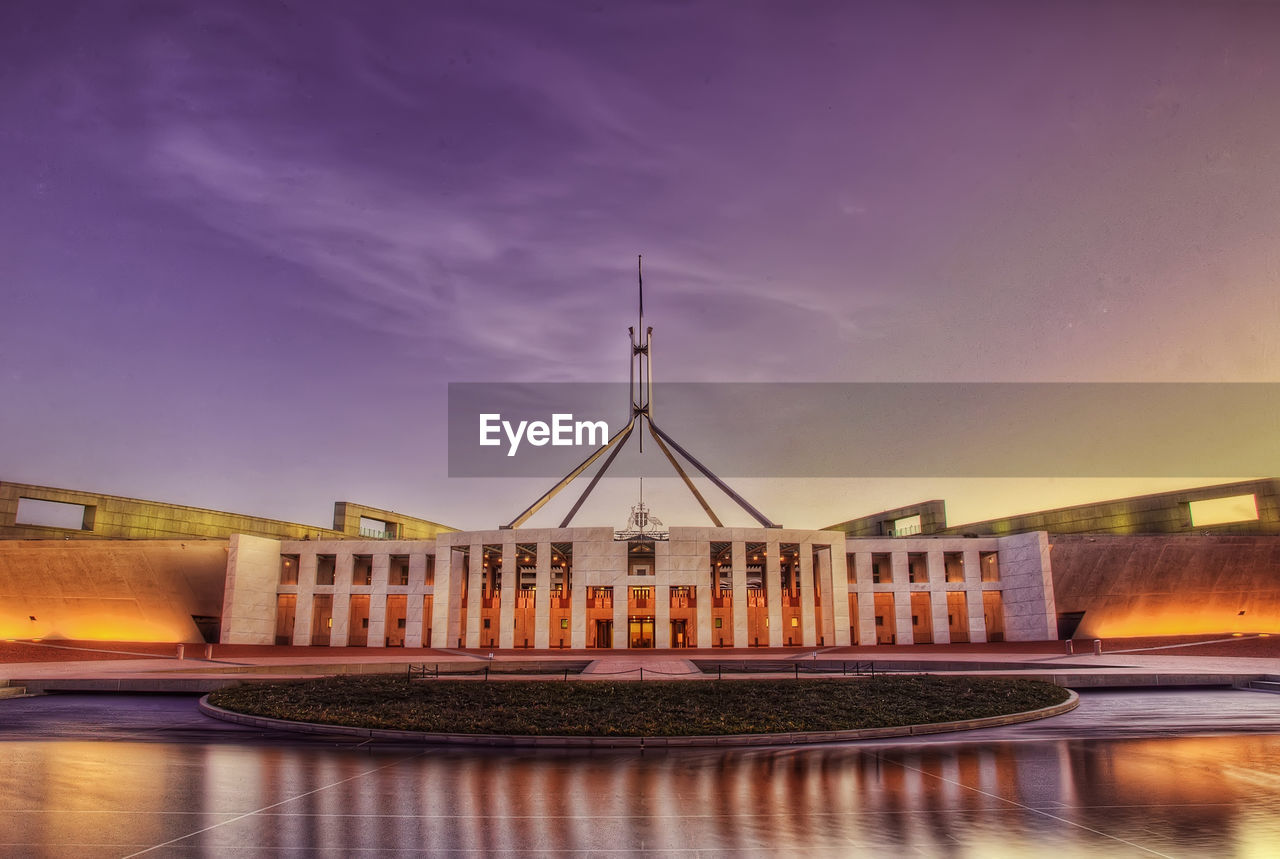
(414, 623)
(343, 569)
(973, 596)
(935, 562)
(249, 603)
(620, 632)
(808, 637)
(306, 593)
(447, 606)
(475, 593)
(542, 598)
(739, 555)
(378, 601)
(1026, 583)
(507, 601)
(578, 613)
(902, 597)
(866, 599)
(702, 594)
(662, 594)
(773, 590)
(836, 595)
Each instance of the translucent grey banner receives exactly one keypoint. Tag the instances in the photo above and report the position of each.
(875, 429)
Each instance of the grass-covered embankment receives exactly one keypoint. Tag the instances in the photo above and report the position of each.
(658, 709)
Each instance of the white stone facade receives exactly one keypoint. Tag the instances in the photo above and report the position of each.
(935, 589)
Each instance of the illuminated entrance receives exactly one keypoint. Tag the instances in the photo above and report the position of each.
(679, 633)
(640, 630)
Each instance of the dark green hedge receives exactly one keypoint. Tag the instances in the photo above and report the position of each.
(665, 708)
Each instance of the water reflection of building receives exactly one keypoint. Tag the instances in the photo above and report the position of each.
(982, 798)
(1176, 796)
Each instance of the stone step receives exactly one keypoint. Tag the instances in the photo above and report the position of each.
(12, 691)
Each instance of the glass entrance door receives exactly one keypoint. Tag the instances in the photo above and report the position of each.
(604, 633)
(679, 633)
(641, 632)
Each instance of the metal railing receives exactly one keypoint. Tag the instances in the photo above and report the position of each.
(793, 667)
(431, 671)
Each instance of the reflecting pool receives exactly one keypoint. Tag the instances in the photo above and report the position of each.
(1180, 796)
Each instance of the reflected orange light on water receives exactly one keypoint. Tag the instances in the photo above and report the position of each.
(1196, 796)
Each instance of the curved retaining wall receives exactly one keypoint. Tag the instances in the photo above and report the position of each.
(793, 738)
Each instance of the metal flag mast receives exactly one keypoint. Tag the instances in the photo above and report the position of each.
(640, 407)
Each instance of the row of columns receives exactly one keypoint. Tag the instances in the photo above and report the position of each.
(377, 590)
(834, 627)
(936, 586)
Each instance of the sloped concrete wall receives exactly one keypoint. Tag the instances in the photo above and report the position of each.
(1167, 585)
(117, 516)
(137, 590)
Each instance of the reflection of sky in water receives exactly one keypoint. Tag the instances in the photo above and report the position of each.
(1185, 796)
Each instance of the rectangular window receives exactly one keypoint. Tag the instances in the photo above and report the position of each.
(1223, 511)
(564, 623)
(795, 621)
(721, 566)
(362, 570)
(881, 568)
(906, 526)
(989, 563)
(719, 622)
(54, 514)
(399, 574)
(325, 567)
(289, 569)
(378, 529)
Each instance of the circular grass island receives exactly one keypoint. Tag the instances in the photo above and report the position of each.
(884, 706)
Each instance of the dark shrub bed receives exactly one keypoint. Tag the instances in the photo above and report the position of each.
(667, 708)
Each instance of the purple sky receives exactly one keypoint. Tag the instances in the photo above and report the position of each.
(245, 246)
